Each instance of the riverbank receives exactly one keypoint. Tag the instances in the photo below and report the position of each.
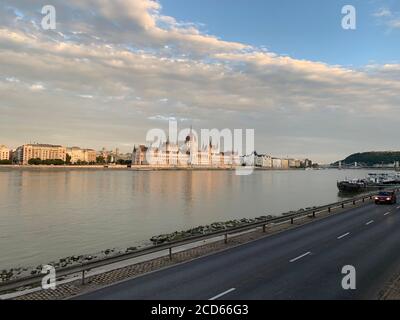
(143, 168)
(74, 260)
(96, 279)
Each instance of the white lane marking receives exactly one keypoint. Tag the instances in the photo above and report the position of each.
(398, 207)
(387, 213)
(302, 256)
(369, 222)
(222, 294)
(343, 235)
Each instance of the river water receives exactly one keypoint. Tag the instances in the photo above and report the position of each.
(46, 214)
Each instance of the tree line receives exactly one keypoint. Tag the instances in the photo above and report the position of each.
(372, 158)
(59, 162)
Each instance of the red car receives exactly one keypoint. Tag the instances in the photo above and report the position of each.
(386, 197)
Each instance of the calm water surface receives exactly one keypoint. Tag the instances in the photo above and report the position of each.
(46, 214)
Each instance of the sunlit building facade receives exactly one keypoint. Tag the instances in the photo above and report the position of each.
(4, 153)
(189, 154)
(81, 155)
(40, 151)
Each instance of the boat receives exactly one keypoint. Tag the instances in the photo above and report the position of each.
(383, 178)
(354, 185)
(371, 182)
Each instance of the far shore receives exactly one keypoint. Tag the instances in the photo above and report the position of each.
(159, 168)
(138, 168)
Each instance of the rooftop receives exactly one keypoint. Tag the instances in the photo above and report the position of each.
(43, 145)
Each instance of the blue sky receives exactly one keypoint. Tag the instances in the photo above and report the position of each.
(309, 29)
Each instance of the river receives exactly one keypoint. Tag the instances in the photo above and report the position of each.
(46, 214)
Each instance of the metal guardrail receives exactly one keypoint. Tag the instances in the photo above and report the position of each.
(83, 268)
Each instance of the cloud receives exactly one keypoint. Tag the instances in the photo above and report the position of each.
(394, 23)
(86, 96)
(383, 12)
(388, 18)
(36, 87)
(114, 68)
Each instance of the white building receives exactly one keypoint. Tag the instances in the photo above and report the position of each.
(250, 160)
(4, 153)
(292, 163)
(263, 161)
(276, 163)
(189, 154)
(81, 155)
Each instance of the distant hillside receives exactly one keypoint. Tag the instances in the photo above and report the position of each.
(372, 158)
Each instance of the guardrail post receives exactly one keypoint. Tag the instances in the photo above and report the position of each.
(329, 209)
(226, 238)
(170, 253)
(342, 205)
(83, 277)
(313, 214)
(264, 228)
(354, 202)
(363, 199)
(291, 220)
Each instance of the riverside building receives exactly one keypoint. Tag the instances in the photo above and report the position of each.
(81, 155)
(171, 155)
(4, 153)
(39, 151)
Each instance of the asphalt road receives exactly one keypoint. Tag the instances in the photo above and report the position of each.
(302, 263)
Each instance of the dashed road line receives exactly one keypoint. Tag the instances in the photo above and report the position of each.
(222, 294)
(343, 236)
(369, 222)
(299, 257)
(387, 213)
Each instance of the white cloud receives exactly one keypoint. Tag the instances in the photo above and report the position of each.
(12, 79)
(383, 12)
(36, 87)
(388, 18)
(86, 96)
(394, 23)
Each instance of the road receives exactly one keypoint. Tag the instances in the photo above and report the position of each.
(302, 263)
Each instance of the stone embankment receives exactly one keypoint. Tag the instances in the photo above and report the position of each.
(214, 227)
(20, 272)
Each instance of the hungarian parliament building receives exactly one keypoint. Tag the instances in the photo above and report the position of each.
(189, 154)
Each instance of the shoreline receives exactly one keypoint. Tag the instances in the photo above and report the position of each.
(177, 168)
(21, 271)
(98, 278)
(141, 168)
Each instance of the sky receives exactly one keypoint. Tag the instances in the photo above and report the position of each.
(113, 70)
